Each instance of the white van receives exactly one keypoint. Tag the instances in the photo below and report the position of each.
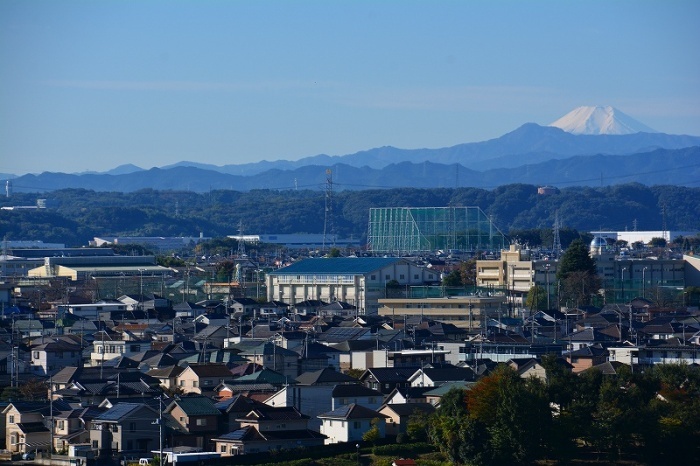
(144, 461)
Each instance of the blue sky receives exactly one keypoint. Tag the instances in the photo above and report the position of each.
(90, 85)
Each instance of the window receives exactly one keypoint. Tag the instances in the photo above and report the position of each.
(60, 424)
(13, 439)
(132, 428)
(201, 422)
(373, 277)
(387, 276)
(195, 383)
(182, 383)
(135, 348)
(36, 355)
(401, 277)
(115, 428)
(12, 418)
(182, 419)
(415, 276)
(207, 382)
(222, 448)
(357, 424)
(95, 444)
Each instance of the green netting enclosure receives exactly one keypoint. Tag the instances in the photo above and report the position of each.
(413, 230)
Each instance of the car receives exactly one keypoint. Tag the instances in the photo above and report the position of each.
(30, 455)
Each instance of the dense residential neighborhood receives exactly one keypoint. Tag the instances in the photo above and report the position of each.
(108, 358)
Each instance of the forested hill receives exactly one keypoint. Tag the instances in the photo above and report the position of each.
(76, 216)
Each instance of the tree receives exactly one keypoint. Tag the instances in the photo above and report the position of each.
(373, 434)
(576, 258)
(578, 274)
(536, 298)
(467, 272)
(515, 413)
(453, 279)
(446, 429)
(657, 242)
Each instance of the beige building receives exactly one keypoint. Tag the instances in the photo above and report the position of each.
(462, 311)
(25, 429)
(199, 378)
(515, 273)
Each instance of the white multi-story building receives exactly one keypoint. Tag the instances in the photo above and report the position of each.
(359, 281)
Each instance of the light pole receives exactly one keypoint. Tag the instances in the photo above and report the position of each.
(358, 453)
(644, 282)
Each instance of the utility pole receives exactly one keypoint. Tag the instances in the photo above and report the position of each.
(159, 421)
(51, 415)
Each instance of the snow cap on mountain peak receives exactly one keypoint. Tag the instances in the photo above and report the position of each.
(600, 120)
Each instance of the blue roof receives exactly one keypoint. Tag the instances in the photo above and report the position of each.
(119, 411)
(337, 265)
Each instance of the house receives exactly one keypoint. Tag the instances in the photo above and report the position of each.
(346, 394)
(50, 357)
(528, 367)
(312, 394)
(125, 428)
(72, 427)
(267, 428)
(398, 415)
(167, 376)
(274, 357)
(201, 378)
(586, 357)
(110, 345)
(232, 409)
(245, 307)
(434, 396)
(213, 335)
(386, 379)
(434, 376)
(25, 428)
(196, 419)
(349, 423)
(406, 395)
(315, 356)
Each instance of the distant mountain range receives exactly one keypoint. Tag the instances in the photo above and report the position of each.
(609, 149)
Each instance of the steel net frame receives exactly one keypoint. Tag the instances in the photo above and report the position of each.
(403, 231)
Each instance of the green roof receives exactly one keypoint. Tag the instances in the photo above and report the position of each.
(337, 265)
(197, 406)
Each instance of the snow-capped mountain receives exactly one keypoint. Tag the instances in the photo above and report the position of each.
(600, 120)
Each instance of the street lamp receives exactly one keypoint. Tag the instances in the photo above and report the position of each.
(358, 453)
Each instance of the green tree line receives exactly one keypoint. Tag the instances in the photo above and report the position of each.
(649, 417)
(75, 216)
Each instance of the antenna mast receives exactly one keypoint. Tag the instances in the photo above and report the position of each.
(241, 242)
(328, 226)
(556, 247)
